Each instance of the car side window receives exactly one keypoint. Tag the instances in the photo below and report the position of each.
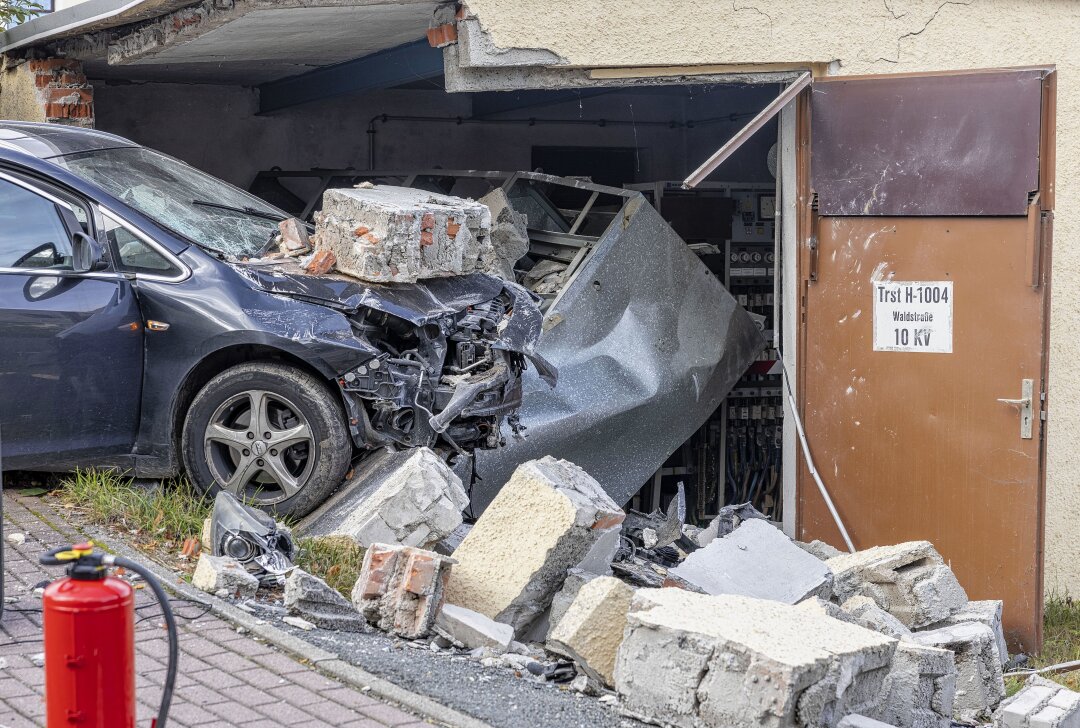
(32, 231)
(135, 255)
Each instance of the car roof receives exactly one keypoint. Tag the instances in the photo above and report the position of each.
(46, 141)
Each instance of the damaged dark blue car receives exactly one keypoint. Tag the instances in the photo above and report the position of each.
(141, 328)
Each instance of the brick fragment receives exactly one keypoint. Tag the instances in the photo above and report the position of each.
(401, 589)
(322, 262)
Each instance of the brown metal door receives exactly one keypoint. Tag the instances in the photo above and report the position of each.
(925, 294)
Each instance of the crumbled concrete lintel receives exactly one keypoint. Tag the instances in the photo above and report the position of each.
(148, 39)
(478, 50)
(311, 598)
(462, 79)
(400, 588)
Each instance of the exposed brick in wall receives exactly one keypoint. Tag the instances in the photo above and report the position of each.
(46, 89)
(63, 91)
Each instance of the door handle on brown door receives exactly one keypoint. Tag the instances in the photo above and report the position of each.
(1027, 390)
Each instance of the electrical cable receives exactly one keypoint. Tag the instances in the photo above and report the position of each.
(809, 460)
(170, 623)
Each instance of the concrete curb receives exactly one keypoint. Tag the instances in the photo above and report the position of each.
(322, 660)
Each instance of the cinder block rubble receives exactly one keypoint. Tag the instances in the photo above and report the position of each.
(398, 234)
(544, 521)
(591, 630)
(756, 560)
(223, 576)
(979, 683)
(316, 601)
(401, 589)
(909, 581)
(473, 629)
(409, 497)
(986, 612)
(697, 660)
(920, 689)
(509, 236)
(1040, 704)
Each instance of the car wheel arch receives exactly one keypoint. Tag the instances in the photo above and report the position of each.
(218, 361)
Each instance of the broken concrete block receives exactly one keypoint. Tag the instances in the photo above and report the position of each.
(987, 612)
(401, 589)
(399, 234)
(865, 612)
(575, 579)
(1040, 704)
(909, 581)
(215, 574)
(509, 236)
(979, 683)
(294, 237)
(313, 599)
(920, 689)
(827, 609)
(409, 497)
(591, 630)
(756, 560)
(473, 629)
(544, 521)
(861, 721)
(697, 660)
(729, 518)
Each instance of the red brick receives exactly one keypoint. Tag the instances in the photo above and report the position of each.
(452, 228)
(426, 238)
(55, 95)
(421, 574)
(612, 520)
(427, 222)
(361, 231)
(68, 111)
(323, 261)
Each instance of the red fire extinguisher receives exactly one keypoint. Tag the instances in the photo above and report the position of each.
(89, 626)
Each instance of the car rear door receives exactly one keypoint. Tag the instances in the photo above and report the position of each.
(71, 344)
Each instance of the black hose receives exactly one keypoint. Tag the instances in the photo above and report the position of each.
(170, 623)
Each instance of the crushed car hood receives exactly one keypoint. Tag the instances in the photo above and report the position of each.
(418, 303)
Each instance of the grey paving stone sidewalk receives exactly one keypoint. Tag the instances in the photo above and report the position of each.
(226, 678)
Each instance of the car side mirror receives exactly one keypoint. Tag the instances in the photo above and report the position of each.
(86, 253)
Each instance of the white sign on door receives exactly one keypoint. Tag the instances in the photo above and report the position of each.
(913, 316)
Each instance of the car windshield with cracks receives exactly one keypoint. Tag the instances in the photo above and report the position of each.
(201, 208)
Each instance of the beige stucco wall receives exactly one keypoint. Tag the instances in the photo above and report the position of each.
(18, 96)
(868, 36)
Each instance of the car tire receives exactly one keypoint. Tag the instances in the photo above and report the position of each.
(221, 448)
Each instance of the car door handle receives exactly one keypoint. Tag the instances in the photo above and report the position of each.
(1027, 391)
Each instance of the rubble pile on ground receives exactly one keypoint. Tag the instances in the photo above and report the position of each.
(732, 624)
(399, 234)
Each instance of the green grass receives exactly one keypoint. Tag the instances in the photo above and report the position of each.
(159, 517)
(1061, 643)
(337, 559)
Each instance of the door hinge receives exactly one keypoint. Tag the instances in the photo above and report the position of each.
(812, 244)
